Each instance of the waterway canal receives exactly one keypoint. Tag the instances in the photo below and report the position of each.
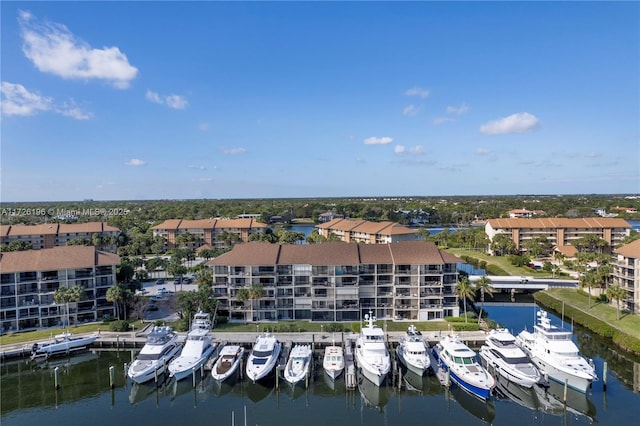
(85, 398)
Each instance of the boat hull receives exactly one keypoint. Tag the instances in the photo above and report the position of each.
(481, 392)
(412, 366)
(580, 384)
(373, 374)
(142, 372)
(185, 368)
(221, 377)
(501, 368)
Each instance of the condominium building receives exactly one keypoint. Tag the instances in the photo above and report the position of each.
(626, 274)
(50, 235)
(29, 279)
(364, 231)
(336, 281)
(214, 232)
(559, 231)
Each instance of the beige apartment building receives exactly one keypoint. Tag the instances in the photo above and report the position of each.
(561, 232)
(626, 274)
(364, 231)
(336, 281)
(29, 279)
(50, 235)
(207, 231)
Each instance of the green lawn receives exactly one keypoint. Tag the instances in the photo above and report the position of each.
(30, 336)
(292, 326)
(628, 323)
(500, 261)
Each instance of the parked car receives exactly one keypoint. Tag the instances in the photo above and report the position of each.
(176, 280)
(187, 280)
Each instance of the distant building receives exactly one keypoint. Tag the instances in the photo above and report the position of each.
(207, 231)
(51, 235)
(29, 279)
(626, 274)
(559, 231)
(329, 216)
(336, 281)
(631, 210)
(363, 231)
(522, 213)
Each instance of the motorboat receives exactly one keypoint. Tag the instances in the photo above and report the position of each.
(555, 354)
(227, 363)
(412, 351)
(298, 364)
(501, 355)
(159, 349)
(61, 344)
(460, 362)
(197, 349)
(263, 357)
(371, 352)
(333, 361)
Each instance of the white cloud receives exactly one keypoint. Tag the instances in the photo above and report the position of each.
(458, 110)
(521, 122)
(203, 127)
(410, 110)
(176, 101)
(378, 141)
(135, 162)
(54, 49)
(153, 97)
(482, 151)
(233, 151)
(172, 101)
(417, 91)
(17, 100)
(415, 150)
(197, 167)
(442, 120)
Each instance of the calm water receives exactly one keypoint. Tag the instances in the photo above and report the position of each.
(28, 397)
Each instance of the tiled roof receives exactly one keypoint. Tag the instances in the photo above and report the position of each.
(335, 253)
(559, 222)
(175, 224)
(56, 258)
(631, 250)
(568, 251)
(56, 228)
(366, 227)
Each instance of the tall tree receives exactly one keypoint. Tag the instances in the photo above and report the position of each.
(483, 285)
(465, 290)
(617, 293)
(68, 295)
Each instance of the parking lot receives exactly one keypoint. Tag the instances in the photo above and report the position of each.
(164, 310)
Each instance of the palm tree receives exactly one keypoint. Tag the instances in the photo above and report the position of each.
(118, 295)
(588, 279)
(484, 285)
(68, 295)
(242, 295)
(617, 293)
(464, 290)
(255, 292)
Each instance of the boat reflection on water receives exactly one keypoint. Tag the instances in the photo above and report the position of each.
(373, 395)
(577, 402)
(182, 387)
(141, 391)
(484, 410)
(65, 362)
(222, 388)
(258, 391)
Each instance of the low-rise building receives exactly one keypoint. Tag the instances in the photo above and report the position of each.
(364, 231)
(29, 280)
(50, 235)
(336, 281)
(626, 274)
(558, 231)
(217, 233)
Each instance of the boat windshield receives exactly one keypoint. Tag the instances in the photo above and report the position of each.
(148, 357)
(464, 360)
(262, 354)
(374, 338)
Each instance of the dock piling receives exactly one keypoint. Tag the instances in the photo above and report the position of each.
(604, 377)
(56, 383)
(112, 378)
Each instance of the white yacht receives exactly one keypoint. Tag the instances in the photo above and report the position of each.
(298, 364)
(227, 362)
(460, 361)
(160, 348)
(197, 349)
(263, 357)
(371, 352)
(333, 361)
(501, 355)
(412, 351)
(61, 344)
(555, 354)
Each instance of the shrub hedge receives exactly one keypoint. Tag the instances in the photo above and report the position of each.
(594, 324)
(119, 325)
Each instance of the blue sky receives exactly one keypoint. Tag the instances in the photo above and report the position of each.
(165, 100)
